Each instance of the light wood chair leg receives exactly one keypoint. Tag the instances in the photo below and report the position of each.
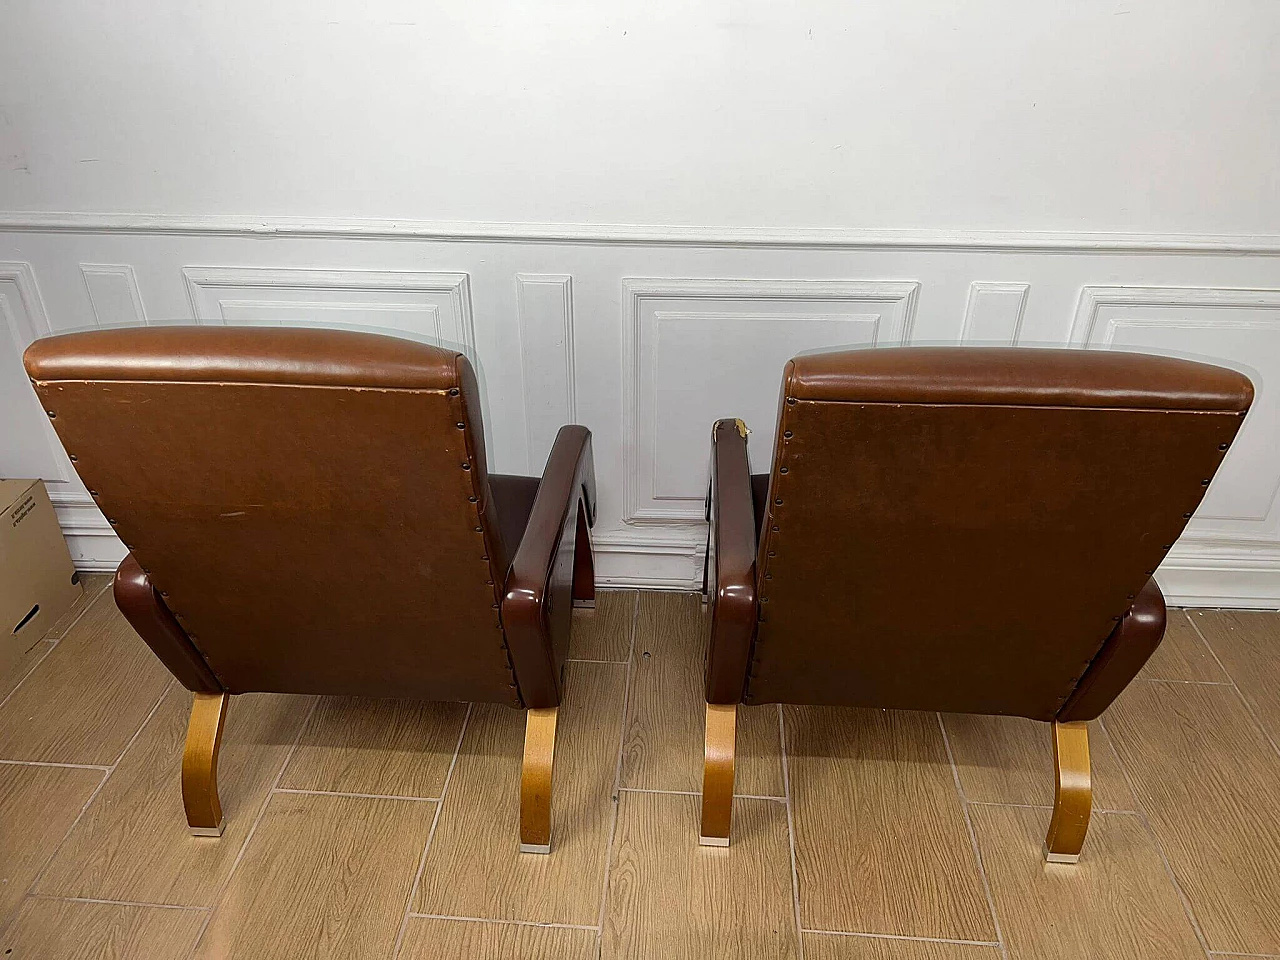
(717, 774)
(200, 764)
(535, 780)
(1073, 796)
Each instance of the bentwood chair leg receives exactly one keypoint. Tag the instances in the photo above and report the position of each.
(1073, 797)
(584, 567)
(200, 764)
(535, 780)
(717, 774)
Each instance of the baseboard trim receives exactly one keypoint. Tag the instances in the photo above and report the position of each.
(1022, 241)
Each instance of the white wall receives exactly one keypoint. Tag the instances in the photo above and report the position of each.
(634, 215)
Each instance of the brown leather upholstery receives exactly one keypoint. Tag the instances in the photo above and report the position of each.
(313, 506)
(964, 529)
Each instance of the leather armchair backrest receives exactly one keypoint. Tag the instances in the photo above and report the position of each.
(961, 528)
(311, 504)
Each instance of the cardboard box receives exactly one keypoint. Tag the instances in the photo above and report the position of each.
(38, 583)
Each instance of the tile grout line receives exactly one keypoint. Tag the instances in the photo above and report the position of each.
(1155, 842)
(98, 789)
(513, 923)
(55, 641)
(101, 767)
(114, 903)
(973, 837)
(355, 796)
(431, 835)
(695, 793)
(791, 832)
(1257, 722)
(1107, 811)
(253, 828)
(617, 776)
(899, 936)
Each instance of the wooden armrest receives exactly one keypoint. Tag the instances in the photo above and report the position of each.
(537, 604)
(731, 564)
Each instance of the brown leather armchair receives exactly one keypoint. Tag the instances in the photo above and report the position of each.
(309, 511)
(956, 529)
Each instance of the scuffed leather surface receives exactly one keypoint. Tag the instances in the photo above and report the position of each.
(946, 540)
(1023, 376)
(313, 504)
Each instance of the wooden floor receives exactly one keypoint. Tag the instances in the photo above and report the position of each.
(360, 829)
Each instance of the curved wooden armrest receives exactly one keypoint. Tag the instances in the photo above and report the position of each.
(537, 603)
(148, 614)
(731, 564)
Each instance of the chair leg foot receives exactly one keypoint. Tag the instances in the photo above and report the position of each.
(200, 764)
(717, 774)
(535, 780)
(1073, 796)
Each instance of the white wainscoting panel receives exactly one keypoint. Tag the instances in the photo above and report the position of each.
(28, 446)
(698, 350)
(436, 306)
(113, 294)
(1238, 524)
(544, 310)
(994, 312)
(559, 333)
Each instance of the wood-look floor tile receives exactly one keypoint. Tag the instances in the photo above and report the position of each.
(88, 697)
(1010, 760)
(23, 665)
(1248, 644)
(831, 946)
(37, 807)
(605, 632)
(427, 938)
(1182, 655)
(474, 867)
(670, 898)
(133, 843)
(1117, 902)
(399, 748)
(1209, 782)
(667, 713)
(881, 841)
(68, 930)
(92, 585)
(324, 876)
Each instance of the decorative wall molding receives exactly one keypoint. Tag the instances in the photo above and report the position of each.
(994, 311)
(31, 322)
(544, 313)
(1048, 241)
(113, 294)
(881, 312)
(1094, 298)
(1238, 525)
(24, 319)
(445, 297)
